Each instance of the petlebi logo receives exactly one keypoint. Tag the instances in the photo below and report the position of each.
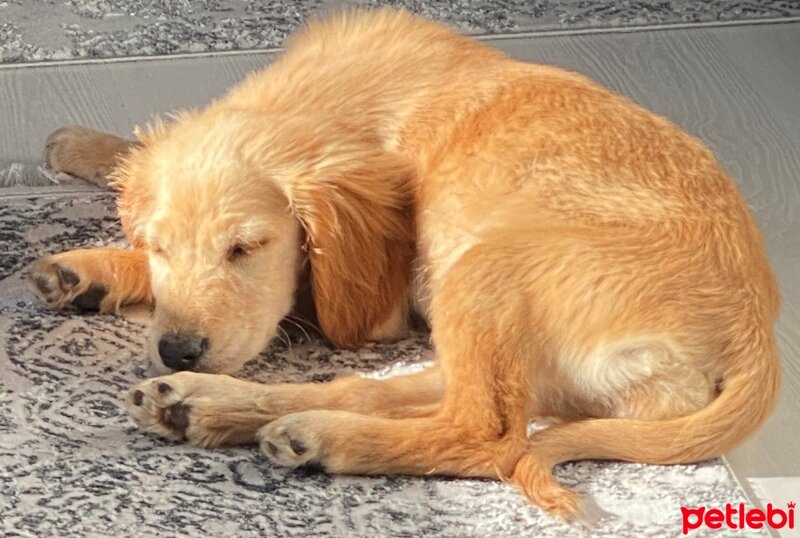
(738, 517)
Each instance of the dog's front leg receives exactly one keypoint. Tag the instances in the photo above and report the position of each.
(97, 279)
(212, 410)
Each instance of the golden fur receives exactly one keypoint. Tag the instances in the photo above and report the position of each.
(577, 257)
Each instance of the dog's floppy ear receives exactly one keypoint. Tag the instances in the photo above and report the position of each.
(360, 239)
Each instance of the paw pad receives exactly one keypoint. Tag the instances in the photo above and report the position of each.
(157, 406)
(286, 441)
(61, 287)
(90, 300)
(298, 447)
(177, 417)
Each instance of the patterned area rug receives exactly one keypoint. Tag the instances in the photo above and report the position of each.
(33, 30)
(71, 463)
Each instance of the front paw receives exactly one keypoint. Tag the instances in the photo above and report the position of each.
(62, 287)
(159, 406)
(292, 440)
(202, 409)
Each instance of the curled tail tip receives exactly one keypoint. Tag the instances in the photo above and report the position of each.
(592, 515)
(534, 476)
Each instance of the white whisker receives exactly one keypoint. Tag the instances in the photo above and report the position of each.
(294, 321)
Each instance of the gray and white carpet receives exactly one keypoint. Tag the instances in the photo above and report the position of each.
(71, 463)
(34, 30)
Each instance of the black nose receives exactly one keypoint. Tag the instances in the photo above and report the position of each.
(181, 350)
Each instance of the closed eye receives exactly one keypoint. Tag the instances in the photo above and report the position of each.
(240, 249)
(237, 252)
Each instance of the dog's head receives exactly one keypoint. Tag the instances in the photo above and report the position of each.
(231, 205)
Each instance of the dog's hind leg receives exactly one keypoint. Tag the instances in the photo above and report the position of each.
(480, 429)
(98, 279)
(85, 153)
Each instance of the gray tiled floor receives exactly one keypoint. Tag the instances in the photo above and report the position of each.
(736, 88)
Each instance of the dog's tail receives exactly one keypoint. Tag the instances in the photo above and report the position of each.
(748, 395)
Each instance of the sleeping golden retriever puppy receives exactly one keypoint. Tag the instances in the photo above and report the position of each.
(576, 256)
